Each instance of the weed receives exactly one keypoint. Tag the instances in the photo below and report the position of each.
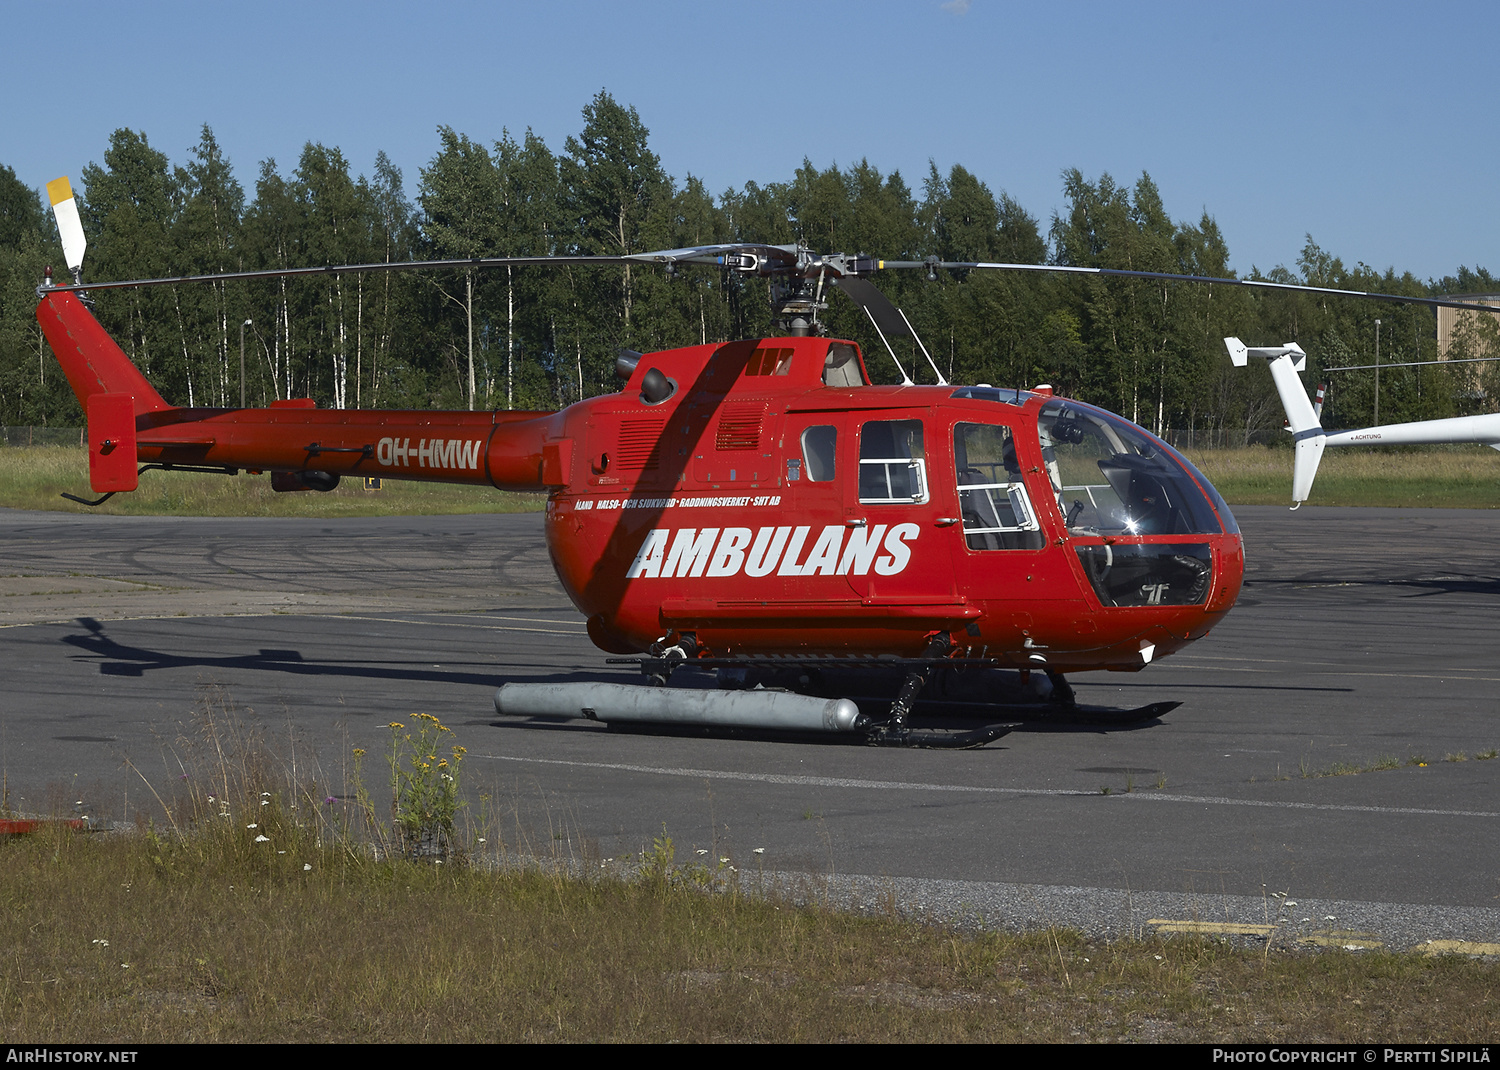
(1456, 756)
(657, 863)
(424, 787)
(1486, 755)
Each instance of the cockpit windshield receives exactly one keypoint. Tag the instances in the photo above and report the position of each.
(1112, 478)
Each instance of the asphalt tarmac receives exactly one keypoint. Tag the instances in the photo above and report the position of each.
(1323, 775)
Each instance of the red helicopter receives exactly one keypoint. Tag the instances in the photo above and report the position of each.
(758, 510)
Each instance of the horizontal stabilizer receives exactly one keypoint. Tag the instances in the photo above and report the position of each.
(111, 420)
(1240, 354)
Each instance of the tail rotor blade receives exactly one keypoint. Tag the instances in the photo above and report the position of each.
(69, 226)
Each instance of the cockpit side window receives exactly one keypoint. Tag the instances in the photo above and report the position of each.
(892, 464)
(992, 499)
(819, 448)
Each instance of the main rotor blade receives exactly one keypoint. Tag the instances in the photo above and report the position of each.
(757, 259)
(760, 259)
(1260, 284)
(744, 256)
(345, 269)
(876, 305)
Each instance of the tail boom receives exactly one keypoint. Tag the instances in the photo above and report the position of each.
(1484, 429)
(499, 449)
(131, 422)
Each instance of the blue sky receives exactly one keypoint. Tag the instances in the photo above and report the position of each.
(1369, 126)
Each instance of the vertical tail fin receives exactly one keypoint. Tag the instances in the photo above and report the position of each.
(1303, 420)
(90, 359)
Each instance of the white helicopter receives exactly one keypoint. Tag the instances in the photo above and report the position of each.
(1304, 418)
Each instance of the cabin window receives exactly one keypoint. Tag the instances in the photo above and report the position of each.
(992, 499)
(892, 465)
(819, 446)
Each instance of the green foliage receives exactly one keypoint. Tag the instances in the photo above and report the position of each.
(32, 389)
(534, 337)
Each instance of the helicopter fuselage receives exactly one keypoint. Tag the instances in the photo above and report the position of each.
(761, 497)
(761, 510)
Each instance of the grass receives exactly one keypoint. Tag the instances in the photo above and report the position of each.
(1460, 477)
(263, 903)
(1450, 477)
(152, 938)
(35, 477)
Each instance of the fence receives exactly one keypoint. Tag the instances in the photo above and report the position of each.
(1224, 438)
(44, 436)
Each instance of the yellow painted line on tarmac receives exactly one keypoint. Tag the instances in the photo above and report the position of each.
(1348, 939)
(1227, 928)
(1457, 947)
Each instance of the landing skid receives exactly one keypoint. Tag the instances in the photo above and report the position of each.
(1106, 715)
(1043, 713)
(932, 686)
(883, 736)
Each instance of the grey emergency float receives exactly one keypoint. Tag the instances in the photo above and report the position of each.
(777, 710)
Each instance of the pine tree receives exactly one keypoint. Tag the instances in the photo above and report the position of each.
(29, 392)
(460, 198)
(613, 192)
